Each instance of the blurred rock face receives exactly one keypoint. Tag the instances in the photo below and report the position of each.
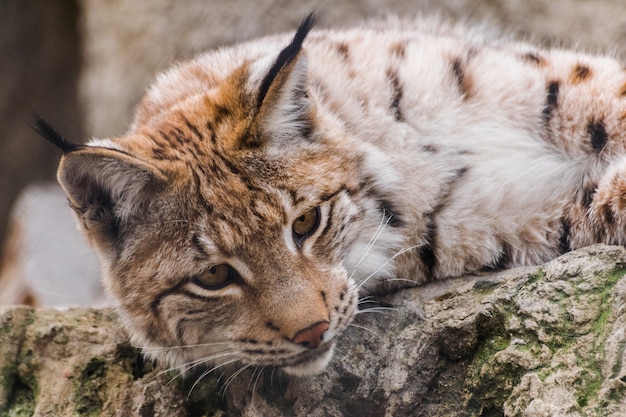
(38, 72)
(47, 263)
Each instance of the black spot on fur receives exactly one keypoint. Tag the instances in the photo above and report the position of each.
(271, 326)
(580, 73)
(429, 148)
(552, 100)
(286, 56)
(533, 58)
(564, 243)
(343, 50)
(599, 135)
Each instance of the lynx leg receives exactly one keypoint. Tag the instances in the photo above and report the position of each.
(607, 212)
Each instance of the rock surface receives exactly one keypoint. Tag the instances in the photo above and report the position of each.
(542, 341)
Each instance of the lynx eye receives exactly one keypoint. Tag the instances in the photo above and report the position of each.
(216, 277)
(306, 224)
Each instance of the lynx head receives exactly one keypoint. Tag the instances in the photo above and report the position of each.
(223, 217)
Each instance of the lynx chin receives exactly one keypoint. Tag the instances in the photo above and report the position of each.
(262, 188)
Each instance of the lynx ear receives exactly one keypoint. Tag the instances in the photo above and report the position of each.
(106, 188)
(282, 107)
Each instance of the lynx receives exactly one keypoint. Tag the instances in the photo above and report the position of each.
(262, 188)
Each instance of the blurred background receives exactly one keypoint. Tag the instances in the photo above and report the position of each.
(84, 64)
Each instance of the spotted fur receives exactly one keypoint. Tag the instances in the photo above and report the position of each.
(410, 151)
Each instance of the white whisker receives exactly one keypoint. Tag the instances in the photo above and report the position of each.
(365, 299)
(205, 373)
(367, 330)
(168, 348)
(385, 264)
(255, 381)
(380, 310)
(410, 281)
(189, 365)
(232, 378)
(372, 242)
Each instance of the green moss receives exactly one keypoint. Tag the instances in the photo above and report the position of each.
(489, 383)
(589, 385)
(537, 276)
(617, 366)
(22, 401)
(88, 386)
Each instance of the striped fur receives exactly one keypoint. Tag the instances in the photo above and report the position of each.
(405, 151)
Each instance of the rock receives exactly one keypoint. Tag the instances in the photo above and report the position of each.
(540, 341)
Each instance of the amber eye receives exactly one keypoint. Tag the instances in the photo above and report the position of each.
(306, 224)
(216, 277)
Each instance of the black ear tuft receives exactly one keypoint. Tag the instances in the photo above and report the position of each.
(45, 130)
(287, 55)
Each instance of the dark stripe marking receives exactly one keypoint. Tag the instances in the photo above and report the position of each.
(392, 218)
(329, 221)
(564, 242)
(461, 79)
(587, 196)
(396, 94)
(552, 100)
(195, 242)
(599, 135)
(504, 258)
(608, 215)
(193, 128)
(427, 250)
(154, 305)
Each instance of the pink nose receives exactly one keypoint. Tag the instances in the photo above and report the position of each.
(311, 337)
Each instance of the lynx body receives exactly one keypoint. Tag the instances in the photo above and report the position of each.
(261, 187)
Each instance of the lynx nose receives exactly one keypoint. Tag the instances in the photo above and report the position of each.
(311, 337)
